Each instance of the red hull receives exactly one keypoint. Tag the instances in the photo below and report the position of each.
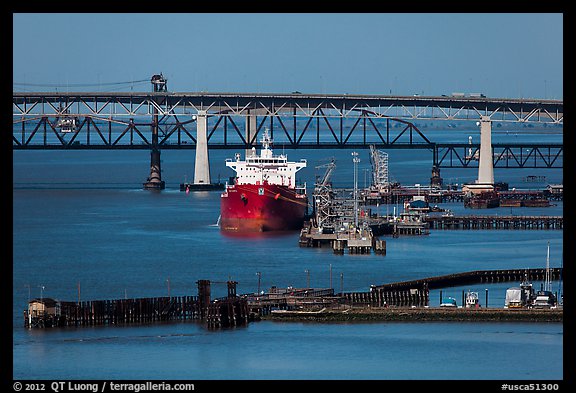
(259, 208)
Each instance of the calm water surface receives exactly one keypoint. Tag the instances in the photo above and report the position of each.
(270, 350)
(82, 218)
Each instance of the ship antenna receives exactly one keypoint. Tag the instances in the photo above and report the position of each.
(266, 141)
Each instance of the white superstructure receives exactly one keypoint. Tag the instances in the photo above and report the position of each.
(266, 167)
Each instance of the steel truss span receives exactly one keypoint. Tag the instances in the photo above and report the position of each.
(295, 121)
(527, 155)
(131, 105)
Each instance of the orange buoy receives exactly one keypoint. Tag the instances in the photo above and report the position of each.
(277, 196)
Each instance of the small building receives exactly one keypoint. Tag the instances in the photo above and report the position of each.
(44, 312)
(45, 307)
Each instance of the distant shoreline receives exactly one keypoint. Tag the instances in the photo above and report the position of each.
(419, 315)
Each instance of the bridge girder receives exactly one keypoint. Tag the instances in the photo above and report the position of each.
(180, 104)
(124, 121)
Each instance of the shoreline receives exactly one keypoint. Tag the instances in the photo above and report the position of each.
(373, 314)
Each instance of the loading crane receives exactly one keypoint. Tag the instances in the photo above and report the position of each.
(323, 196)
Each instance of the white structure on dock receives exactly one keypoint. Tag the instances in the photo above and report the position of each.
(379, 160)
(485, 181)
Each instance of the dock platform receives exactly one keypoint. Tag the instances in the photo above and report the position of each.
(495, 222)
(416, 292)
(221, 312)
(356, 242)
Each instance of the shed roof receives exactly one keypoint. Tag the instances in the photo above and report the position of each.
(46, 301)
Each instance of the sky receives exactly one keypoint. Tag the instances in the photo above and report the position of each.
(500, 55)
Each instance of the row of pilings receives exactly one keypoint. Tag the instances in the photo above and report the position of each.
(417, 296)
(218, 313)
(495, 222)
(476, 277)
(417, 292)
(236, 310)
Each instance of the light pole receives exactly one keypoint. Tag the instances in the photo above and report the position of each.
(341, 283)
(259, 275)
(42, 299)
(168, 281)
(356, 160)
(307, 278)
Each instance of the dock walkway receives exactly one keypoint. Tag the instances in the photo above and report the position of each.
(221, 312)
(416, 292)
(495, 222)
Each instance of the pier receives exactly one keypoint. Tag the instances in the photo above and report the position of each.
(406, 294)
(361, 241)
(415, 293)
(234, 310)
(415, 296)
(474, 277)
(496, 222)
(364, 240)
(399, 195)
(223, 312)
(285, 299)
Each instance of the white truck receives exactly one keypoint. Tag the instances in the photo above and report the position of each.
(515, 298)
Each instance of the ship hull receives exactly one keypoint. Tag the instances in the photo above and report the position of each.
(261, 208)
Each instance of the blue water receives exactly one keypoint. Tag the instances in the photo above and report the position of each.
(272, 350)
(83, 218)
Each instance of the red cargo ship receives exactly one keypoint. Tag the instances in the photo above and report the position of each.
(264, 196)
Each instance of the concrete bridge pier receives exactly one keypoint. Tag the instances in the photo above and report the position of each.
(251, 129)
(154, 181)
(486, 166)
(485, 181)
(202, 163)
(436, 179)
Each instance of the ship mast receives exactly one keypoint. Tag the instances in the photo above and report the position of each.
(266, 141)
